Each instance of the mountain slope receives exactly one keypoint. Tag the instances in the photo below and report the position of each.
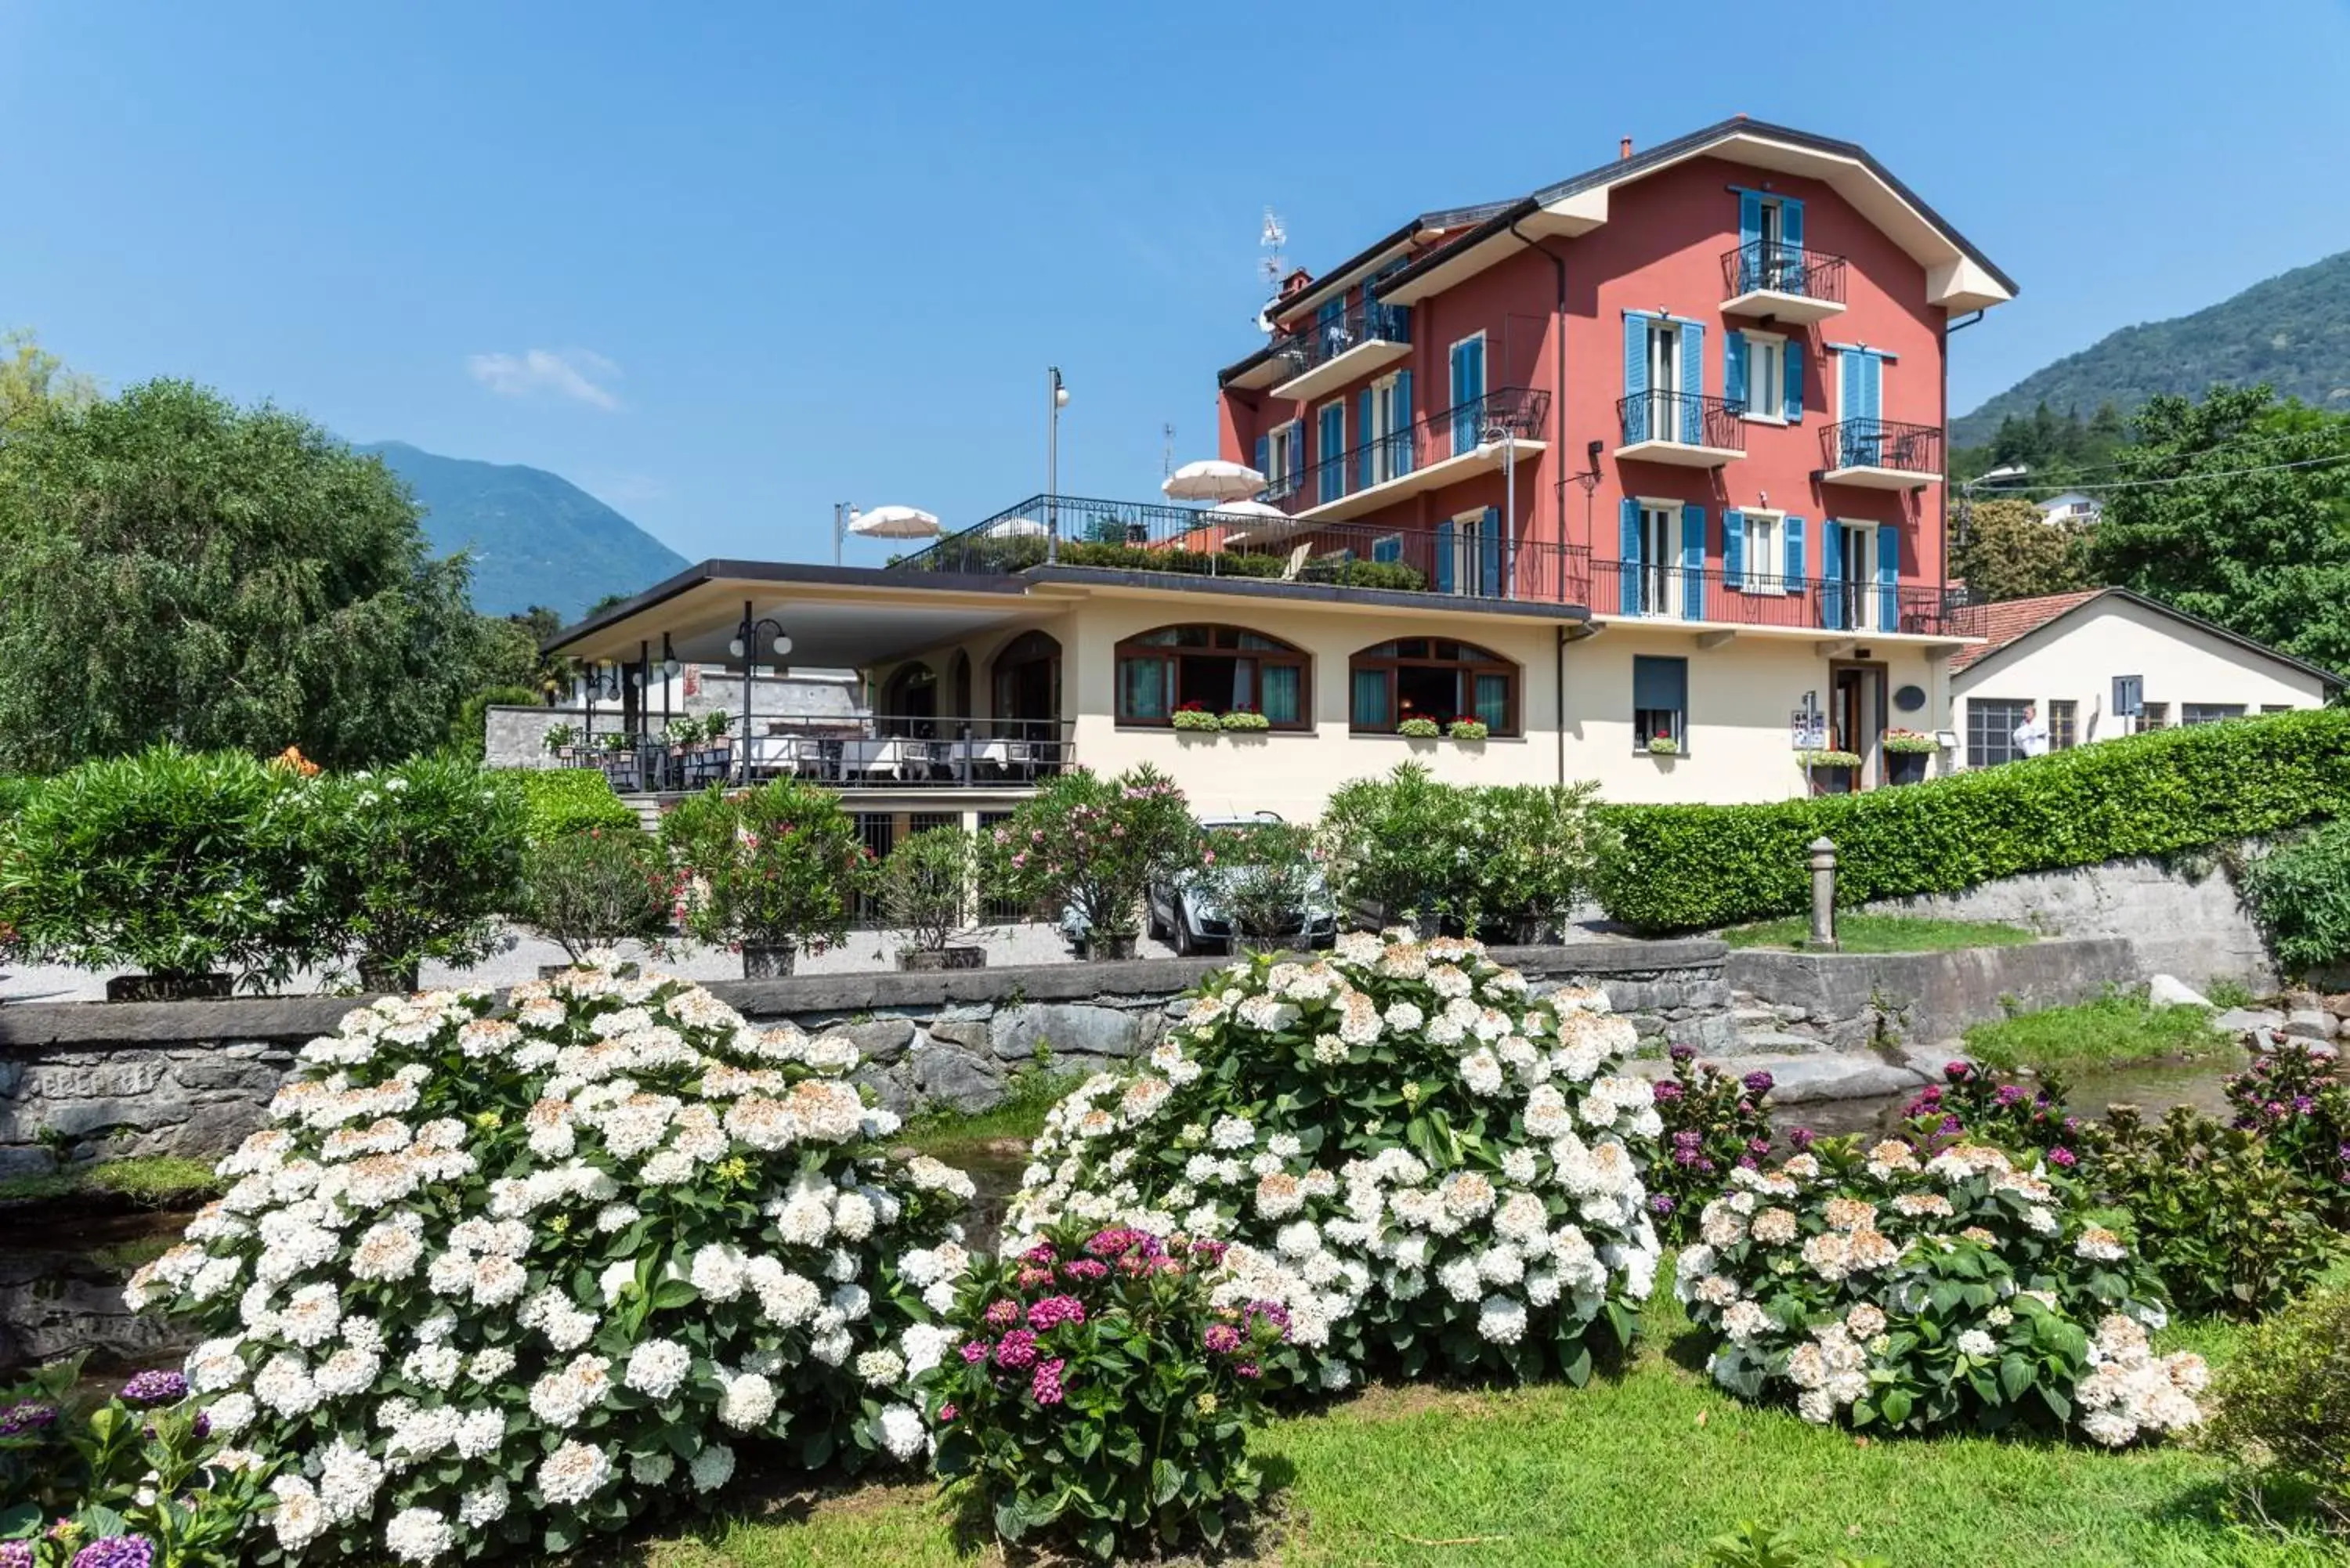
(536, 537)
(2292, 331)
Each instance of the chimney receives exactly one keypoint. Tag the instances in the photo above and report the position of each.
(1295, 283)
(1624, 149)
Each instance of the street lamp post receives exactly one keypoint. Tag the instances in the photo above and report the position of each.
(1057, 398)
(745, 647)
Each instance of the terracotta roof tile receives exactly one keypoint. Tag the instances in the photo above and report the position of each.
(2004, 622)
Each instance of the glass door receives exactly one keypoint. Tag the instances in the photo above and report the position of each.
(1664, 381)
(1657, 558)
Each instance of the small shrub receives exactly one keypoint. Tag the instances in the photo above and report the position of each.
(2296, 1101)
(1713, 1124)
(557, 801)
(1090, 845)
(590, 889)
(1701, 867)
(556, 737)
(1384, 841)
(1753, 1545)
(1824, 758)
(1504, 859)
(1973, 1106)
(2299, 895)
(780, 866)
(1423, 1164)
(1663, 746)
(2284, 1401)
(421, 859)
(1102, 1396)
(489, 1281)
(1921, 1295)
(180, 864)
(137, 1479)
(15, 789)
(2230, 1229)
(927, 888)
(1265, 878)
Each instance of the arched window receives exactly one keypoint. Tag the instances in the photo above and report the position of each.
(1026, 683)
(1431, 677)
(1217, 668)
(909, 702)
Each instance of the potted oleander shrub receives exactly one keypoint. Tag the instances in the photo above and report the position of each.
(421, 859)
(1831, 771)
(772, 872)
(1907, 753)
(926, 889)
(1083, 848)
(1267, 880)
(1387, 846)
(590, 890)
(1518, 858)
(194, 869)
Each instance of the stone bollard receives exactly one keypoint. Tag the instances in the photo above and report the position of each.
(1824, 868)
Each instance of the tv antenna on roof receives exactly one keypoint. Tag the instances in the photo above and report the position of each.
(1271, 241)
(1167, 451)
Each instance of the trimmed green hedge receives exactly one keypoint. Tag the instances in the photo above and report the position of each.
(558, 801)
(1682, 867)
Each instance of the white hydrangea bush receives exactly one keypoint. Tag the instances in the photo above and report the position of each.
(491, 1280)
(1912, 1292)
(1421, 1162)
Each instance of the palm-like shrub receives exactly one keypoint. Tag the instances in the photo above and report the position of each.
(491, 1280)
(1420, 1163)
(1916, 1294)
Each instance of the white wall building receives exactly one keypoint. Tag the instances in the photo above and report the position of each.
(2072, 508)
(2108, 662)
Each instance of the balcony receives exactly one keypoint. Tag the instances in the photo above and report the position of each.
(1783, 281)
(1189, 545)
(844, 752)
(1324, 355)
(1682, 429)
(1429, 453)
(1661, 592)
(1879, 454)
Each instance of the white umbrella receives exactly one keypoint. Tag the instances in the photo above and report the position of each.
(894, 523)
(1017, 528)
(1264, 521)
(1212, 479)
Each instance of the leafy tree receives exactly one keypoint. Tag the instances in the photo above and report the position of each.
(2051, 445)
(33, 381)
(2264, 554)
(175, 567)
(2007, 550)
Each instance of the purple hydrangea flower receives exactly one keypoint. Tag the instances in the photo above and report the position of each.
(1661, 1203)
(1047, 1384)
(1016, 1350)
(1668, 1093)
(2063, 1158)
(1054, 1311)
(16, 1554)
(1958, 1071)
(1681, 1053)
(25, 1416)
(1801, 1138)
(1000, 1315)
(2010, 1095)
(155, 1388)
(1758, 1081)
(1222, 1338)
(116, 1551)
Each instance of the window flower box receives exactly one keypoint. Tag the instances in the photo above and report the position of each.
(1467, 730)
(1244, 718)
(1663, 746)
(1419, 729)
(1194, 717)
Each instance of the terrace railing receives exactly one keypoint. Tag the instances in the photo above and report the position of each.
(1315, 343)
(1773, 267)
(1882, 443)
(893, 751)
(1456, 432)
(1684, 419)
(1671, 592)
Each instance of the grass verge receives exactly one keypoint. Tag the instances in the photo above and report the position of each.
(957, 1135)
(2113, 1029)
(1634, 1472)
(158, 1181)
(1884, 934)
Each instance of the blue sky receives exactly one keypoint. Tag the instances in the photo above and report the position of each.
(725, 264)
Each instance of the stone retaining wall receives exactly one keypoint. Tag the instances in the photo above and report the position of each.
(1849, 1001)
(90, 1079)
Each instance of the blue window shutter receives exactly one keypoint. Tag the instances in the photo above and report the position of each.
(1265, 463)
(1831, 575)
(1750, 222)
(1791, 222)
(1636, 379)
(1872, 386)
(1488, 553)
(1692, 383)
(1889, 576)
(1795, 391)
(1444, 556)
(1366, 444)
(1693, 563)
(1795, 562)
(1388, 549)
(1733, 550)
(1404, 440)
(1734, 368)
(1627, 594)
(1848, 385)
(1330, 461)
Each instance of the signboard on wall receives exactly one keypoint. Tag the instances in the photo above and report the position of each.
(1807, 726)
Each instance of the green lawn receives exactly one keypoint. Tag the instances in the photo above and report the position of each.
(2108, 1032)
(1883, 934)
(955, 1137)
(159, 1179)
(1639, 1472)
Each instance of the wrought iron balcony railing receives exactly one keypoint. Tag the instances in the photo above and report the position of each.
(1773, 267)
(1456, 432)
(1684, 419)
(1882, 443)
(881, 750)
(1667, 591)
(1318, 342)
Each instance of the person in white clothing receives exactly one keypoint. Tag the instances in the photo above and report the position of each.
(2032, 735)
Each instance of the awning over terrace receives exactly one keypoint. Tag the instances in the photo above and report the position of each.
(839, 618)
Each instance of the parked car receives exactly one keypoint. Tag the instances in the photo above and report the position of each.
(1183, 908)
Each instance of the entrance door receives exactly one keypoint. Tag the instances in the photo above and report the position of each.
(1857, 717)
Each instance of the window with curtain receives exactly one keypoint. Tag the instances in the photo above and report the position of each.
(1659, 701)
(1431, 677)
(1217, 669)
